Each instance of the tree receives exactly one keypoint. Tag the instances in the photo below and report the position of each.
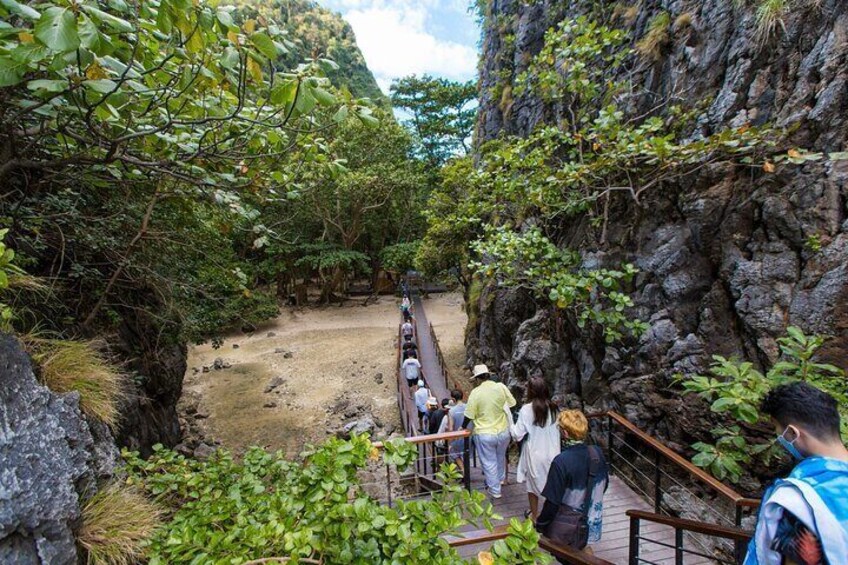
(442, 114)
(375, 172)
(114, 115)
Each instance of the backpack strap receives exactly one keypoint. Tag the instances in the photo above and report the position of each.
(592, 469)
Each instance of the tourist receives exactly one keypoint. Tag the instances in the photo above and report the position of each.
(438, 416)
(537, 421)
(453, 423)
(407, 330)
(422, 394)
(409, 345)
(430, 413)
(488, 407)
(411, 368)
(803, 519)
(575, 487)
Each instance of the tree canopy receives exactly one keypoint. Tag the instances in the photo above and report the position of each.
(442, 114)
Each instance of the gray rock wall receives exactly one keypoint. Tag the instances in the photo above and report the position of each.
(50, 459)
(723, 263)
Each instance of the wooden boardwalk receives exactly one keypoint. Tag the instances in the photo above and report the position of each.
(615, 537)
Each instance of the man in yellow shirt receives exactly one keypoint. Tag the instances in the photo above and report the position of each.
(487, 407)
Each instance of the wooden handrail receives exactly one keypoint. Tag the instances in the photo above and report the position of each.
(680, 461)
(571, 555)
(714, 530)
(432, 438)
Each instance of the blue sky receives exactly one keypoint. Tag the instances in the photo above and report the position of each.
(403, 37)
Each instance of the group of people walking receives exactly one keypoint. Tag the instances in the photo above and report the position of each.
(803, 519)
(556, 462)
(565, 477)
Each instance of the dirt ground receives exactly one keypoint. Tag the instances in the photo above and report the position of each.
(447, 314)
(330, 365)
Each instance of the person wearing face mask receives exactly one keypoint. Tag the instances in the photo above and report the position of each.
(803, 519)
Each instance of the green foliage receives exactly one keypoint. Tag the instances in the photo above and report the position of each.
(813, 243)
(7, 271)
(453, 220)
(736, 389)
(400, 257)
(326, 258)
(573, 62)
(731, 451)
(442, 114)
(227, 511)
(522, 546)
(532, 261)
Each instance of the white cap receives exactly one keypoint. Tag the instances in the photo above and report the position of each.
(420, 383)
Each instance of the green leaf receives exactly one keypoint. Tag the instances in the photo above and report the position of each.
(48, 85)
(164, 19)
(11, 71)
(113, 22)
(21, 10)
(224, 18)
(723, 404)
(103, 85)
(341, 115)
(57, 29)
(91, 38)
(324, 98)
(264, 45)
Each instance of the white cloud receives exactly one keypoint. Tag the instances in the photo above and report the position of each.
(394, 39)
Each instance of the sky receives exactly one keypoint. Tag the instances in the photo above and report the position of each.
(404, 37)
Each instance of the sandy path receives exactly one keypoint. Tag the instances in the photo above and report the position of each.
(447, 314)
(336, 365)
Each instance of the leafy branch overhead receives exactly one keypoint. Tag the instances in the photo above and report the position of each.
(168, 89)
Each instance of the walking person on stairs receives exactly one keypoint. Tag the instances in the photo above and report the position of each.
(537, 421)
(803, 519)
(574, 490)
(487, 407)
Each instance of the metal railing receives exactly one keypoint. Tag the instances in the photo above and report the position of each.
(681, 526)
(669, 481)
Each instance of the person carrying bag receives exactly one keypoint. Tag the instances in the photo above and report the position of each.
(574, 490)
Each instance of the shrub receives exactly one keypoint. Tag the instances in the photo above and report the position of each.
(264, 506)
(116, 522)
(735, 389)
(68, 366)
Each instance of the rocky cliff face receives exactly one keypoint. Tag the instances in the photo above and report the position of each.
(50, 457)
(724, 259)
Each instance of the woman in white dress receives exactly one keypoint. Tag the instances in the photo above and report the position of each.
(537, 420)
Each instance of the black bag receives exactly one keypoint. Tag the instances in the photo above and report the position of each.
(571, 527)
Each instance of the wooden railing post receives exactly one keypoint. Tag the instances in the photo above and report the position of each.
(634, 541)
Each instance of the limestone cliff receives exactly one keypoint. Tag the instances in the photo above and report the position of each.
(50, 457)
(724, 263)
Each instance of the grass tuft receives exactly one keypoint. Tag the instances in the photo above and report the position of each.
(67, 366)
(115, 524)
(770, 14)
(657, 36)
(683, 21)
